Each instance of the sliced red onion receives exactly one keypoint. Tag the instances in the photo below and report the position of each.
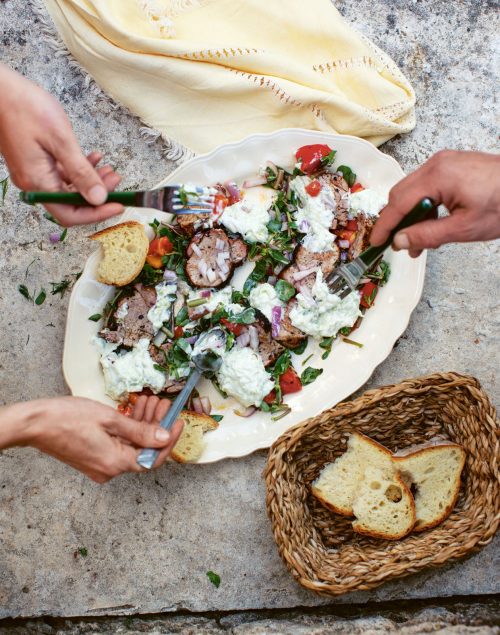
(254, 181)
(275, 320)
(245, 413)
(211, 275)
(284, 226)
(169, 275)
(343, 256)
(344, 244)
(191, 340)
(198, 408)
(196, 250)
(159, 338)
(206, 293)
(55, 237)
(206, 405)
(272, 280)
(300, 275)
(254, 337)
(243, 339)
(232, 190)
(304, 226)
(202, 267)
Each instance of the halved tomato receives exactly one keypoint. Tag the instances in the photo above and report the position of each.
(290, 381)
(236, 329)
(368, 294)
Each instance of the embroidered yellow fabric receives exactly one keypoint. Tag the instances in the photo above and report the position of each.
(206, 72)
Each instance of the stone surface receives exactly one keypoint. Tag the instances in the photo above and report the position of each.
(151, 539)
(454, 619)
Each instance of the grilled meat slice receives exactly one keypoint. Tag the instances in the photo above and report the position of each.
(340, 190)
(158, 355)
(305, 260)
(191, 223)
(362, 239)
(289, 335)
(128, 329)
(212, 256)
(269, 349)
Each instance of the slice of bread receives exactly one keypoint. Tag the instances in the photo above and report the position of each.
(125, 247)
(383, 506)
(338, 483)
(434, 472)
(190, 445)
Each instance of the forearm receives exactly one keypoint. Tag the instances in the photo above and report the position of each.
(18, 423)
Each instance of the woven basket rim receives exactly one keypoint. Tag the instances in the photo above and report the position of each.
(298, 539)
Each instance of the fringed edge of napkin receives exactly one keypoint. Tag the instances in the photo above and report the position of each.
(171, 149)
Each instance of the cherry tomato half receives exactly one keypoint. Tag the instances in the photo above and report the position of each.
(313, 188)
(271, 397)
(290, 381)
(357, 187)
(368, 294)
(310, 156)
(236, 329)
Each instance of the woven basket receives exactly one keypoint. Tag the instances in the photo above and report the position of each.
(319, 547)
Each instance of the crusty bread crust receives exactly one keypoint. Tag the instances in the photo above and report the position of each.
(376, 534)
(338, 510)
(113, 228)
(430, 447)
(192, 419)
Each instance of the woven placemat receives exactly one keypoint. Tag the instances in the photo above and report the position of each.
(319, 547)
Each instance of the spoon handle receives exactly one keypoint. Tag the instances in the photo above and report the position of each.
(148, 456)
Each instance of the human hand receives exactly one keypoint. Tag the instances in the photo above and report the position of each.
(93, 438)
(467, 183)
(42, 152)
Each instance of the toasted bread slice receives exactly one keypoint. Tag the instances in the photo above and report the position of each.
(338, 482)
(434, 471)
(190, 445)
(125, 247)
(384, 507)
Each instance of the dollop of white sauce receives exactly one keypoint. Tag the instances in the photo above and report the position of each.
(122, 311)
(130, 372)
(160, 312)
(264, 297)
(327, 314)
(248, 218)
(317, 213)
(243, 376)
(216, 297)
(367, 201)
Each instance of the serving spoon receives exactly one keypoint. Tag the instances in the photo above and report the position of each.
(206, 358)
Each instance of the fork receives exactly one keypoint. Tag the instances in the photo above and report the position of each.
(344, 279)
(175, 199)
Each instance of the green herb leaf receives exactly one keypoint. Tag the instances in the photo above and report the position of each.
(345, 330)
(326, 343)
(154, 226)
(60, 287)
(307, 359)
(95, 318)
(298, 350)
(284, 290)
(237, 297)
(309, 375)
(63, 235)
(214, 578)
(281, 364)
(40, 298)
(83, 551)
(4, 186)
(160, 368)
(247, 316)
(277, 256)
(23, 290)
(217, 417)
(182, 317)
(329, 159)
(274, 226)
(348, 174)
(353, 342)
(51, 218)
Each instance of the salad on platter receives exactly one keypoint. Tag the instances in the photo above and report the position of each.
(286, 229)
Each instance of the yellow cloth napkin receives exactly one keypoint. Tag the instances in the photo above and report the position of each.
(206, 72)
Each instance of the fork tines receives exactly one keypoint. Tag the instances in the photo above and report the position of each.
(186, 196)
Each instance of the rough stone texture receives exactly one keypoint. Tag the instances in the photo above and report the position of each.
(150, 540)
(454, 619)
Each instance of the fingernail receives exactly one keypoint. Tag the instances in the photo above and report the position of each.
(162, 435)
(97, 195)
(401, 241)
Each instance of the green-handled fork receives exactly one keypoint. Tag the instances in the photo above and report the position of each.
(174, 199)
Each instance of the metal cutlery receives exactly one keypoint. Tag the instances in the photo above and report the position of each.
(174, 199)
(345, 278)
(206, 359)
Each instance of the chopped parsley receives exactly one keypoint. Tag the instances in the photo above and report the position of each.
(95, 317)
(326, 344)
(309, 375)
(40, 298)
(214, 578)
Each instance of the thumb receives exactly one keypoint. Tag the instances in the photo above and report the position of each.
(139, 433)
(430, 234)
(80, 172)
